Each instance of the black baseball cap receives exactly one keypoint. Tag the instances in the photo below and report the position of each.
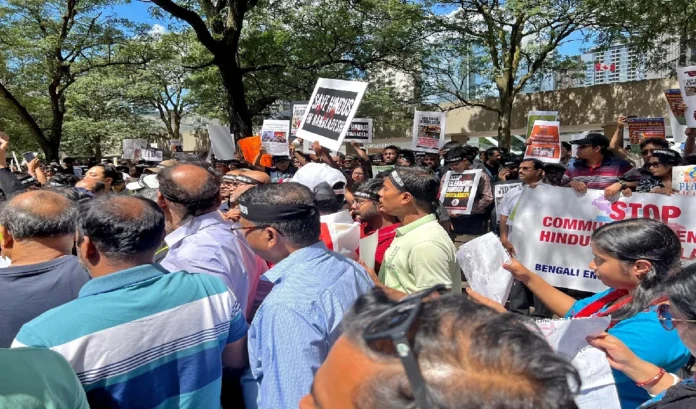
(594, 139)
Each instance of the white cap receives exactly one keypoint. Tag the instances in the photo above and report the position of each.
(312, 174)
(149, 181)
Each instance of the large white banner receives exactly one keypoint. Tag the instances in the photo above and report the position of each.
(331, 109)
(428, 131)
(552, 228)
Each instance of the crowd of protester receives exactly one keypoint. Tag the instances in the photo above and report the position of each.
(204, 285)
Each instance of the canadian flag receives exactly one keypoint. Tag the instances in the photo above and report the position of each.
(605, 67)
(341, 234)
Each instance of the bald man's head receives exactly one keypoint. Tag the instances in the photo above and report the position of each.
(190, 188)
(38, 214)
(249, 180)
(262, 177)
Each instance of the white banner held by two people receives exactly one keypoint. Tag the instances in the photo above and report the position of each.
(553, 240)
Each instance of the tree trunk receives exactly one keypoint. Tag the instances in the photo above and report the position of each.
(238, 111)
(176, 126)
(504, 137)
(52, 150)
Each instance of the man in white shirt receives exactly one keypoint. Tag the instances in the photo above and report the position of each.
(198, 239)
(531, 172)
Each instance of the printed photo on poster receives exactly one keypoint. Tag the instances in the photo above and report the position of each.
(153, 155)
(687, 85)
(330, 112)
(360, 130)
(274, 137)
(132, 149)
(176, 145)
(641, 128)
(428, 131)
(533, 116)
(545, 142)
(377, 169)
(676, 105)
(459, 190)
(298, 112)
(684, 179)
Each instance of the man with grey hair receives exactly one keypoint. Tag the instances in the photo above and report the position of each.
(38, 234)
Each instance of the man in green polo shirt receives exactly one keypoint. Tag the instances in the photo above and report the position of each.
(422, 254)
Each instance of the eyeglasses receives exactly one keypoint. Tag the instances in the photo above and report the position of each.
(395, 325)
(665, 316)
(654, 165)
(360, 202)
(248, 230)
(647, 152)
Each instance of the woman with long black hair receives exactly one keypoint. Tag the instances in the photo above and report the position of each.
(633, 258)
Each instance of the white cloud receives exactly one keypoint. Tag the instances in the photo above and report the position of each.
(157, 29)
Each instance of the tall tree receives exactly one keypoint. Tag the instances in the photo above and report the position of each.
(269, 51)
(46, 46)
(492, 49)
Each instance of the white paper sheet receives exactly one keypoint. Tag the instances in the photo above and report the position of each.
(568, 337)
(5, 262)
(482, 261)
(368, 249)
(222, 142)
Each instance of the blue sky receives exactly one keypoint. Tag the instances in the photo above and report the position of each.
(138, 12)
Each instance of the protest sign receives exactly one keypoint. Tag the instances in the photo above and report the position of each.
(545, 142)
(641, 128)
(676, 105)
(459, 190)
(533, 116)
(360, 130)
(368, 249)
(330, 112)
(298, 112)
(274, 137)
(568, 337)
(554, 240)
(482, 260)
(222, 142)
(152, 155)
(376, 169)
(251, 147)
(132, 149)
(428, 131)
(499, 191)
(176, 145)
(684, 179)
(687, 86)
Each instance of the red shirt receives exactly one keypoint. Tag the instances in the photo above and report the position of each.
(384, 240)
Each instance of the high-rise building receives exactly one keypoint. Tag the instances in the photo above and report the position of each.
(618, 63)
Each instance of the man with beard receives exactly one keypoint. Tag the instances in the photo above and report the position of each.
(38, 232)
(373, 220)
(138, 335)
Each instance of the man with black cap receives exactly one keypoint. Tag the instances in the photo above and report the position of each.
(422, 254)
(596, 167)
(282, 169)
(299, 320)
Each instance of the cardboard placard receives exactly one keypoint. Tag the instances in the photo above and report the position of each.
(459, 191)
(545, 142)
(428, 131)
(687, 86)
(533, 116)
(274, 137)
(331, 110)
(360, 130)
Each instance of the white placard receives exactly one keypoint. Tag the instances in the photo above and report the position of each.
(428, 131)
(152, 155)
(132, 149)
(687, 85)
(360, 131)
(368, 249)
(222, 142)
(499, 191)
(482, 261)
(331, 110)
(274, 137)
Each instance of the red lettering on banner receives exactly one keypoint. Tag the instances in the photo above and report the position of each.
(649, 209)
(670, 212)
(564, 238)
(686, 236)
(617, 211)
(546, 222)
(690, 257)
(634, 209)
(545, 235)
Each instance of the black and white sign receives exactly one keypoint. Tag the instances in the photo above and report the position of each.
(331, 110)
(360, 131)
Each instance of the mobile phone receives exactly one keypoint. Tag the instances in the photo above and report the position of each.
(29, 156)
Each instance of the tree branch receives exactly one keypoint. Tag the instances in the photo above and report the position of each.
(194, 20)
(22, 111)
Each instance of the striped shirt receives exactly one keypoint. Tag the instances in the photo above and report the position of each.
(600, 177)
(144, 338)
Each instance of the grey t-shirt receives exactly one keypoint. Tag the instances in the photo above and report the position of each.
(28, 291)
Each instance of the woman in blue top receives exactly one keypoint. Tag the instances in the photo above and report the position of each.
(668, 391)
(633, 258)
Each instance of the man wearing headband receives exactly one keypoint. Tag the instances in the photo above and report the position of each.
(226, 187)
(199, 240)
(243, 181)
(422, 254)
(372, 219)
(471, 226)
(299, 320)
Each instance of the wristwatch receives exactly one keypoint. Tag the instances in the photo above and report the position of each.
(623, 184)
